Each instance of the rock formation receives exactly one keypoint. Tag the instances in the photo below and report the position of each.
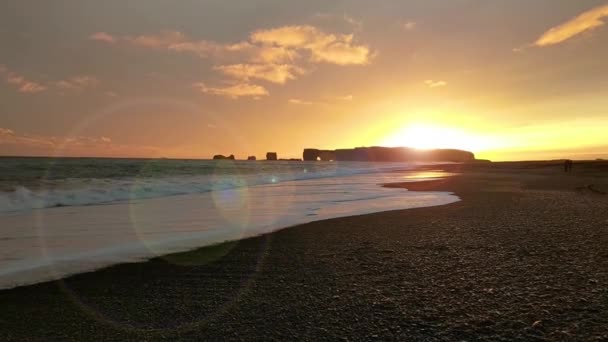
(271, 156)
(314, 154)
(222, 157)
(389, 154)
(251, 158)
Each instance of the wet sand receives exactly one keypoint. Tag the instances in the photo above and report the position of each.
(523, 256)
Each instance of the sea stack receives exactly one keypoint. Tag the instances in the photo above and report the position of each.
(271, 156)
(222, 157)
(251, 158)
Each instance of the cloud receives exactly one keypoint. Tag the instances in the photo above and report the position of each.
(300, 102)
(103, 37)
(586, 21)
(22, 84)
(14, 79)
(204, 48)
(78, 83)
(329, 48)
(163, 40)
(14, 143)
(408, 25)
(268, 72)
(178, 42)
(342, 54)
(31, 87)
(345, 98)
(274, 55)
(233, 91)
(8, 136)
(435, 84)
(356, 24)
(6, 131)
(272, 46)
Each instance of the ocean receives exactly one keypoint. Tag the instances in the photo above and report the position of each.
(60, 216)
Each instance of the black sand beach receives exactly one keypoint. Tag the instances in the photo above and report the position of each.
(523, 256)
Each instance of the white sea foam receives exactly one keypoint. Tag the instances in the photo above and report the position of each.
(52, 243)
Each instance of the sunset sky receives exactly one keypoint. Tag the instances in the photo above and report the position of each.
(508, 80)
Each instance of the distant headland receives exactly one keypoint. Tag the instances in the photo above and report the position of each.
(388, 154)
(373, 154)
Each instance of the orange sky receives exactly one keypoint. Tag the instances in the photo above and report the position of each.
(507, 80)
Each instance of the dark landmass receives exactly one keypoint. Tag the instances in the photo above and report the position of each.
(222, 157)
(522, 257)
(271, 156)
(388, 154)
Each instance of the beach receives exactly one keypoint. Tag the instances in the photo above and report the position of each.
(522, 256)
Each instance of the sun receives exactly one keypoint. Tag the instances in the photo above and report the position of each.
(428, 136)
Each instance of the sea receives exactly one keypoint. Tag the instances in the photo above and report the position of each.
(61, 216)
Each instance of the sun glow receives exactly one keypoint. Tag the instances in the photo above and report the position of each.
(428, 136)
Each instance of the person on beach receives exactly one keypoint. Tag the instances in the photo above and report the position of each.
(568, 165)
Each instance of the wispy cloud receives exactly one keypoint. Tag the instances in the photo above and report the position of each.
(6, 131)
(274, 73)
(22, 84)
(9, 136)
(233, 91)
(205, 48)
(31, 87)
(78, 83)
(300, 102)
(345, 97)
(103, 37)
(163, 40)
(408, 25)
(272, 45)
(586, 21)
(338, 49)
(174, 41)
(356, 24)
(18, 143)
(435, 84)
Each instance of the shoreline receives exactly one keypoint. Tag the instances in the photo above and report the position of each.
(522, 255)
(141, 230)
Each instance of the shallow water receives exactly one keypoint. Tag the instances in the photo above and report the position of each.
(34, 183)
(50, 243)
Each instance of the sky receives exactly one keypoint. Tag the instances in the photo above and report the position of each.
(508, 80)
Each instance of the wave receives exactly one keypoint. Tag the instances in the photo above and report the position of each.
(92, 191)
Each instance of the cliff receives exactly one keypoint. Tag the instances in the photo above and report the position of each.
(389, 154)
